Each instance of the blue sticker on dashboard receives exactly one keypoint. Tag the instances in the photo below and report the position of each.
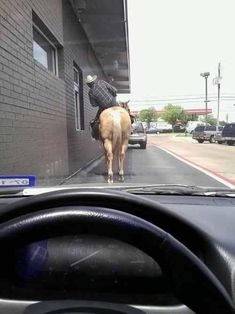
(17, 181)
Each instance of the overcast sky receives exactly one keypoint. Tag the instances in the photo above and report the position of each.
(172, 42)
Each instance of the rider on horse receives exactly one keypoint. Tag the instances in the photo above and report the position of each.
(102, 95)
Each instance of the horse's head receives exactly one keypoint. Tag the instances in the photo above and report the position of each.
(124, 104)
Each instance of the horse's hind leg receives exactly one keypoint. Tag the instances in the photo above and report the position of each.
(121, 158)
(109, 159)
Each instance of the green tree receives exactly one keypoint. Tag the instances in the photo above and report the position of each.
(222, 123)
(210, 119)
(192, 117)
(148, 115)
(173, 114)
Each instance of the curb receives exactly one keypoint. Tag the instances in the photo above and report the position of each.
(87, 168)
(208, 171)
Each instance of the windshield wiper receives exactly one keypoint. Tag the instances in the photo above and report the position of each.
(4, 192)
(154, 189)
(180, 189)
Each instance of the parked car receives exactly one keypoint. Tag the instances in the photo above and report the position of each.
(191, 125)
(228, 134)
(138, 135)
(164, 127)
(179, 128)
(151, 130)
(206, 133)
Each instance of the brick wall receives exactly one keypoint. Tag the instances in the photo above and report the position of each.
(33, 128)
(76, 49)
(37, 122)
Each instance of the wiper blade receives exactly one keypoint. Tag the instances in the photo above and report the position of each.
(180, 189)
(11, 192)
(228, 193)
(168, 187)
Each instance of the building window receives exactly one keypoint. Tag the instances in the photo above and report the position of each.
(44, 51)
(78, 97)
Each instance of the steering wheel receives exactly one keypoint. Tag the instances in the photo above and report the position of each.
(123, 216)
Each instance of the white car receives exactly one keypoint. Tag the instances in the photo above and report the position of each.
(164, 127)
(191, 125)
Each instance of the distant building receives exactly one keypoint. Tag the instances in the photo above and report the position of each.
(197, 112)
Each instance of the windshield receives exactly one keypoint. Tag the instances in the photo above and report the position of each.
(78, 79)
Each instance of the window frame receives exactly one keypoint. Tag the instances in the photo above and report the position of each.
(78, 92)
(54, 55)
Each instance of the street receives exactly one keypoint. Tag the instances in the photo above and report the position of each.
(215, 158)
(157, 166)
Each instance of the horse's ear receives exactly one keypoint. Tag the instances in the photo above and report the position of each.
(128, 101)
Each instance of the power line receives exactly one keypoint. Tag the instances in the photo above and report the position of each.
(189, 95)
(184, 97)
(181, 100)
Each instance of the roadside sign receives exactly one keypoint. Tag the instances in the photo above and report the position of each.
(17, 181)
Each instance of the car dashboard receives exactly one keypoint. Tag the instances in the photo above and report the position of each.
(110, 275)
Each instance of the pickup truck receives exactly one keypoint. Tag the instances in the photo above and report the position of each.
(228, 135)
(206, 133)
(218, 137)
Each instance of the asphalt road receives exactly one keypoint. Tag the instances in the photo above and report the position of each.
(218, 159)
(150, 166)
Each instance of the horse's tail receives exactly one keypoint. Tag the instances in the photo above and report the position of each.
(117, 131)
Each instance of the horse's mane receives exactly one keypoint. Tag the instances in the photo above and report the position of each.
(125, 105)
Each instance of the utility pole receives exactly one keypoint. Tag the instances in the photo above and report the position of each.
(205, 75)
(206, 100)
(217, 81)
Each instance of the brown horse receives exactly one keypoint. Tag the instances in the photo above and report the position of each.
(115, 129)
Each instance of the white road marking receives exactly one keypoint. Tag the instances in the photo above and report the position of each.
(210, 174)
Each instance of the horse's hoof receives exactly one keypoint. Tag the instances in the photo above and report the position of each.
(121, 178)
(110, 179)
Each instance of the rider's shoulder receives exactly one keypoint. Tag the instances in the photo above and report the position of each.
(98, 82)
